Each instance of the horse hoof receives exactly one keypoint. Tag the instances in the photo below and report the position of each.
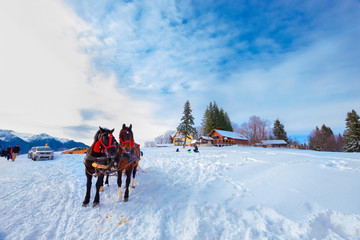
(133, 183)
(101, 189)
(95, 204)
(126, 199)
(84, 204)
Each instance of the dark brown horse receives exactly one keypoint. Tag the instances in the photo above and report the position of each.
(128, 159)
(102, 152)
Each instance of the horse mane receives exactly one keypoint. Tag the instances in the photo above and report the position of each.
(96, 137)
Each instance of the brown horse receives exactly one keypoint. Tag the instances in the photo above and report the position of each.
(102, 152)
(128, 159)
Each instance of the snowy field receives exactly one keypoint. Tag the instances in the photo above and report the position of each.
(219, 193)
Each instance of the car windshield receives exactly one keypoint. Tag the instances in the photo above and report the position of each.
(44, 149)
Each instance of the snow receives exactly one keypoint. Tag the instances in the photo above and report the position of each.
(24, 136)
(234, 135)
(269, 142)
(27, 137)
(219, 193)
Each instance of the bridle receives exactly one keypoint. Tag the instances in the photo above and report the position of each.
(110, 141)
(98, 143)
(122, 142)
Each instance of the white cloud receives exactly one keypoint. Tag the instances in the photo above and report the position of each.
(46, 79)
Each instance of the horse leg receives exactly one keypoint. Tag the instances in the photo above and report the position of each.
(119, 183)
(107, 179)
(134, 173)
(99, 184)
(88, 189)
(128, 178)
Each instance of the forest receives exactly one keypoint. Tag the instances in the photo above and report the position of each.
(257, 129)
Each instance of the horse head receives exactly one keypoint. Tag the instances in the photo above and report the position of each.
(105, 143)
(126, 137)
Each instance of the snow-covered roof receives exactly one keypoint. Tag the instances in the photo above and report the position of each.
(269, 142)
(206, 138)
(233, 135)
(164, 145)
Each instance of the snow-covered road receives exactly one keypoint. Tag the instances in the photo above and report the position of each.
(219, 193)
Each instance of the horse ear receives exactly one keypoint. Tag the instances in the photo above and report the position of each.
(101, 130)
(112, 130)
(130, 126)
(124, 126)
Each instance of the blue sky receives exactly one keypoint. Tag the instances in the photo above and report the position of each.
(293, 60)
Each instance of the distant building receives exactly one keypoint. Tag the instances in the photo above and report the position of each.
(273, 143)
(205, 141)
(178, 139)
(226, 138)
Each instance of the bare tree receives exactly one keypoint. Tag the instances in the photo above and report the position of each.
(255, 130)
(164, 138)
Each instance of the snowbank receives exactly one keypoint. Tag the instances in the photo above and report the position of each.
(219, 193)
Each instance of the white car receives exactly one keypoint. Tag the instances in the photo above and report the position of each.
(42, 153)
(31, 151)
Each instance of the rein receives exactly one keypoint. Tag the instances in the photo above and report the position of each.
(121, 158)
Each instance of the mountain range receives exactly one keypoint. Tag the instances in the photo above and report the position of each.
(27, 141)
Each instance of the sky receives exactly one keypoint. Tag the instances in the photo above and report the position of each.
(70, 66)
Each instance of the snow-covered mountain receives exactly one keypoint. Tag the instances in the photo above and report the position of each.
(27, 141)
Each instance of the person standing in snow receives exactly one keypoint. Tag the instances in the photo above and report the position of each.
(9, 149)
(15, 152)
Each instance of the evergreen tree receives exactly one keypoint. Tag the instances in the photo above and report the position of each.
(352, 132)
(207, 122)
(215, 118)
(279, 131)
(228, 125)
(187, 121)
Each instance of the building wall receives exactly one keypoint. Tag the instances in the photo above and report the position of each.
(178, 140)
(218, 139)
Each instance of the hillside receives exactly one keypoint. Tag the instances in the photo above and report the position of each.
(219, 193)
(27, 141)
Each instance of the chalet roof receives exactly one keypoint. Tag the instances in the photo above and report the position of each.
(228, 134)
(278, 142)
(206, 138)
(178, 134)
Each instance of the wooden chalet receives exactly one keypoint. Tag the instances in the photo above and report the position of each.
(205, 141)
(226, 138)
(178, 139)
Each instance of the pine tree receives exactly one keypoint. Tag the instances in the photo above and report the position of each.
(228, 123)
(352, 132)
(207, 124)
(279, 131)
(187, 121)
(215, 118)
